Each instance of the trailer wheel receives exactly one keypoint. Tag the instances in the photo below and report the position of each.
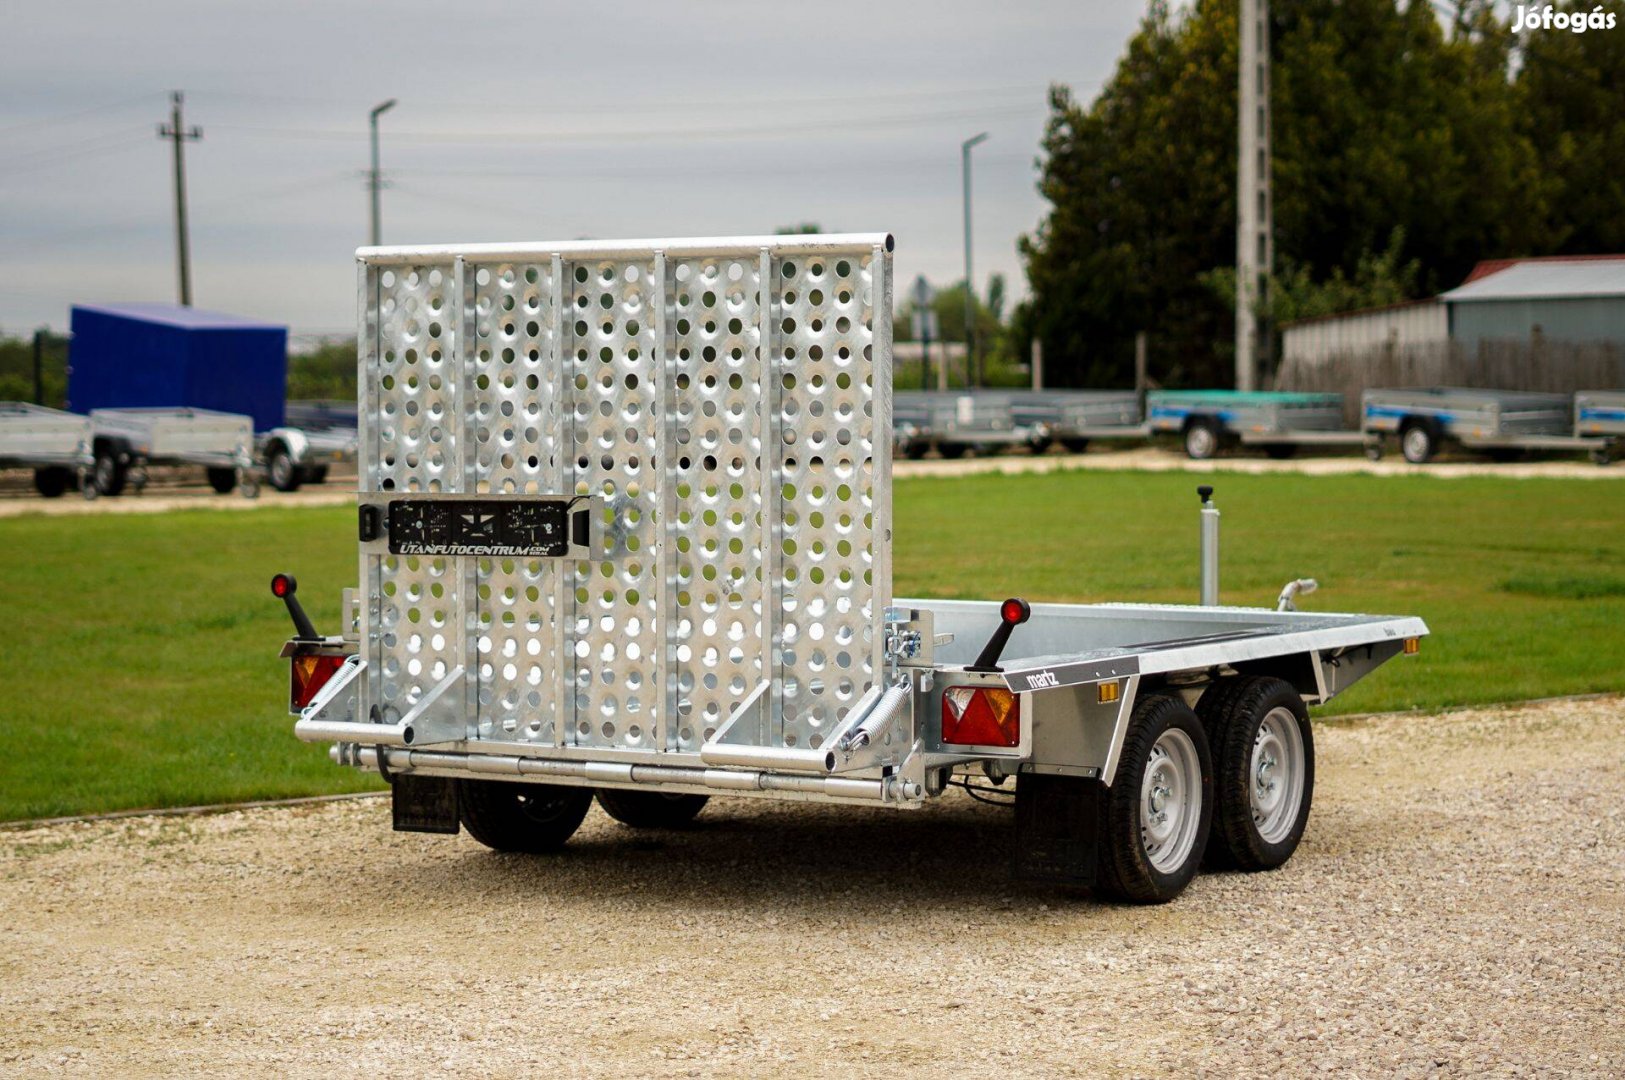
(1160, 804)
(1418, 442)
(281, 471)
(952, 450)
(1201, 440)
(52, 481)
(529, 818)
(222, 480)
(109, 473)
(1373, 450)
(651, 809)
(914, 451)
(1280, 451)
(1264, 764)
(1602, 455)
(1039, 444)
(1075, 445)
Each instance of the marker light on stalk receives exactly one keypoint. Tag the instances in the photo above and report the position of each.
(310, 673)
(981, 716)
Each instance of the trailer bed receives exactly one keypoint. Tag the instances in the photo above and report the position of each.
(32, 436)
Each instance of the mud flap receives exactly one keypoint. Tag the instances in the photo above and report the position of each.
(424, 803)
(1057, 828)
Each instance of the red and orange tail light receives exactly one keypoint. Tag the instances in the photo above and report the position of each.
(981, 716)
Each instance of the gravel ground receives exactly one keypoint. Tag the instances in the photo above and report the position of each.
(1457, 907)
(18, 497)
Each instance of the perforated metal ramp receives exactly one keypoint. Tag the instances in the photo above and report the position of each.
(723, 405)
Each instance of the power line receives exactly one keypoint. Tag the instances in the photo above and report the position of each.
(721, 172)
(652, 134)
(33, 164)
(68, 117)
(661, 105)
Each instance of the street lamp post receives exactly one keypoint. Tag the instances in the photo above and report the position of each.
(972, 371)
(373, 179)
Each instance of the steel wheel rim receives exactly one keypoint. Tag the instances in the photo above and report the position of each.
(1275, 775)
(281, 470)
(1170, 801)
(1199, 441)
(542, 809)
(103, 472)
(1416, 444)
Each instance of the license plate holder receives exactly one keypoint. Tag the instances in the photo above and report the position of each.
(535, 527)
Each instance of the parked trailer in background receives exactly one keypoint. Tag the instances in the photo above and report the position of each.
(55, 444)
(1278, 422)
(961, 422)
(1074, 417)
(316, 436)
(128, 441)
(685, 589)
(1501, 423)
(1601, 413)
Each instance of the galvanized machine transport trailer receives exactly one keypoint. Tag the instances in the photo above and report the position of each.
(1501, 423)
(316, 436)
(1279, 422)
(128, 441)
(53, 443)
(625, 531)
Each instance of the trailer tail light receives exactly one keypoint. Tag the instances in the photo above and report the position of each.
(981, 716)
(310, 673)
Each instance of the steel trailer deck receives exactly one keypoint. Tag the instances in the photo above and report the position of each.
(55, 444)
(625, 523)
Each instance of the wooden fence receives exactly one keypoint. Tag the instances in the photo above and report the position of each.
(1558, 367)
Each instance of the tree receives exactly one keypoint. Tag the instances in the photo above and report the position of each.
(1570, 90)
(1381, 120)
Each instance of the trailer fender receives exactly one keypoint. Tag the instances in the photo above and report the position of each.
(1079, 730)
(292, 440)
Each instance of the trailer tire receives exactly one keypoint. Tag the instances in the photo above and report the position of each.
(1075, 445)
(527, 818)
(1280, 451)
(1164, 769)
(109, 474)
(1418, 441)
(52, 481)
(952, 450)
(281, 471)
(1039, 444)
(651, 809)
(1258, 724)
(1602, 455)
(1201, 439)
(914, 451)
(222, 480)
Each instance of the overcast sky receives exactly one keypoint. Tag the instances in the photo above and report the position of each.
(515, 122)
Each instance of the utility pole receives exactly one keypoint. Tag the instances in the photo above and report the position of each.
(39, 365)
(1255, 209)
(374, 182)
(179, 134)
(973, 373)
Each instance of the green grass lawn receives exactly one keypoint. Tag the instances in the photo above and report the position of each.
(140, 651)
